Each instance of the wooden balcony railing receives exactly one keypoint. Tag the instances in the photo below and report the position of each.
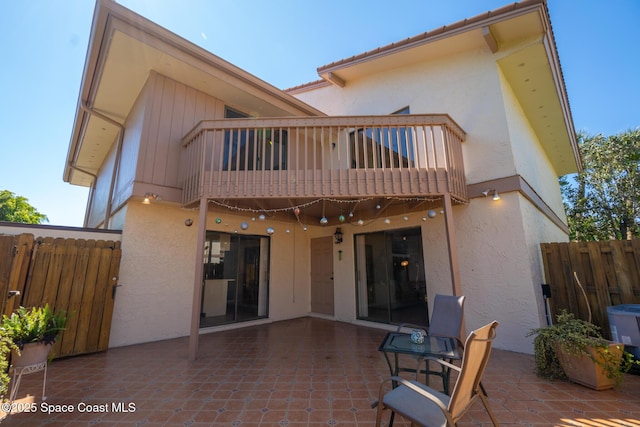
(317, 157)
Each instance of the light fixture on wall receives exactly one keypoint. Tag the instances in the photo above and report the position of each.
(496, 196)
(148, 197)
(338, 235)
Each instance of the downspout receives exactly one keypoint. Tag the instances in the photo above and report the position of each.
(116, 166)
(74, 167)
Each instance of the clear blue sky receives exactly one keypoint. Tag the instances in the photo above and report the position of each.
(43, 46)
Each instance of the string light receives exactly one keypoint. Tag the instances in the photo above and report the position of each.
(297, 209)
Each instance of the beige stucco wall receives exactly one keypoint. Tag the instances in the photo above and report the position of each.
(495, 270)
(158, 265)
(13, 229)
(500, 273)
(497, 242)
(156, 275)
(465, 86)
(530, 160)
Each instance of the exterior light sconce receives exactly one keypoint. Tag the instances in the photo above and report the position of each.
(338, 235)
(148, 197)
(496, 196)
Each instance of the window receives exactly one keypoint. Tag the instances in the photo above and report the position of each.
(382, 147)
(235, 283)
(390, 277)
(248, 149)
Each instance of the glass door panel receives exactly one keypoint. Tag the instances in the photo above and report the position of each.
(235, 285)
(391, 285)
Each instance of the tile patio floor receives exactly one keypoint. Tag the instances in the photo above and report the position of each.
(303, 372)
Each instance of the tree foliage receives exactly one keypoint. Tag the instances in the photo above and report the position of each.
(603, 201)
(17, 209)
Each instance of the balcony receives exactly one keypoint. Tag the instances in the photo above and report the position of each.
(273, 165)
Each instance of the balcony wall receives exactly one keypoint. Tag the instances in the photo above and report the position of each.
(323, 157)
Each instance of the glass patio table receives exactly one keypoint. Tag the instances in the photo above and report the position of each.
(396, 343)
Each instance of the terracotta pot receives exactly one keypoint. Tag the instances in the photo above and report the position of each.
(582, 370)
(32, 354)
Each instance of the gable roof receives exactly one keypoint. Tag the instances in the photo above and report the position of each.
(124, 48)
(522, 41)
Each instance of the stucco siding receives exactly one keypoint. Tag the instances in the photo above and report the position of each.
(466, 86)
(156, 276)
(531, 161)
(157, 273)
(55, 231)
(495, 270)
(539, 229)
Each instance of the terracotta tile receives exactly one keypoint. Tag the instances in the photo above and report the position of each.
(245, 376)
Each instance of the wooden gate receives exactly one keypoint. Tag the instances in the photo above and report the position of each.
(609, 272)
(76, 275)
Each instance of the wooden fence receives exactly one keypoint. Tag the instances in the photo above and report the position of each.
(76, 275)
(609, 272)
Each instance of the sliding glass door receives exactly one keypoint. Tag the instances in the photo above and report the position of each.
(235, 283)
(390, 277)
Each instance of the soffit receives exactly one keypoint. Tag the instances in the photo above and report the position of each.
(124, 49)
(527, 58)
(408, 54)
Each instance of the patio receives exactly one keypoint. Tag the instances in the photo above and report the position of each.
(302, 372)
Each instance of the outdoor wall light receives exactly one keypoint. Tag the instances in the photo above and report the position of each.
(338, 235)
(148, 197)
(496, 196)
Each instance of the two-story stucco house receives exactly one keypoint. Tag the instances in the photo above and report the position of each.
(427, 166)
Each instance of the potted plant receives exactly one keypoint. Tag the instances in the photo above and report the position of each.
(575, 349)
(33, 331)
(6, 345)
